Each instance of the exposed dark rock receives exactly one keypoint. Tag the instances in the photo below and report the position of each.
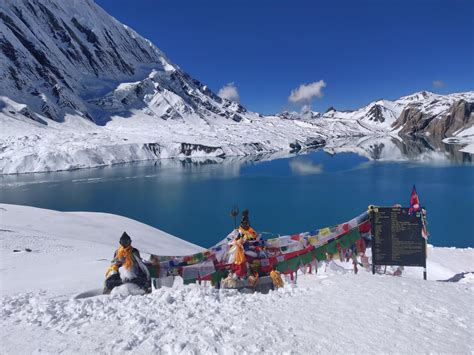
(8, 49)
(14, 76)
(154, 148)
(415, 122)
(412, 120)
(39, 55)
(459, 116)
(25, 111)
(90, 35)
(188, 148)
(48, 111)
(257, 147)
(236, 117)
(295, 147)
(376, 114)
(314, 143)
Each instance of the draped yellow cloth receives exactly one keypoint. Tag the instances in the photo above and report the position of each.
(248, 234)
(276, 278)
(239, 252)
(126, 255)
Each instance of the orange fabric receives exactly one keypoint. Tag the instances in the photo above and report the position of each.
(248, 234)
(112, 268)
(239, 252)
(125, 253)
(276, 278)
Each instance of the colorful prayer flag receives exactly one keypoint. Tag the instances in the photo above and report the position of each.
(414, 201)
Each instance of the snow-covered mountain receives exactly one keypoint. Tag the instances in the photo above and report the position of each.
(79, 89)
(407, 115)
(61, 57)
(437, 115)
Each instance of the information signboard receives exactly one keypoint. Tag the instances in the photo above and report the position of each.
(397, 237)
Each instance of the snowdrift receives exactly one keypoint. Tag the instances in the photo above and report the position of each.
(332, 311)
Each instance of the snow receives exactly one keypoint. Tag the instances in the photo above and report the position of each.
(333, 311)
(125, 101)
(74, 247)
(468, 149)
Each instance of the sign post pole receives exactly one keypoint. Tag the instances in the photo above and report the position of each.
(424, 269)
(373, 240)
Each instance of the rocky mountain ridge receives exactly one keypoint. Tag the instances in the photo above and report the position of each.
(79, 89)
(71, 57)
(422, 113)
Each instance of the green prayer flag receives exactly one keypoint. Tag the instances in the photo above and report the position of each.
(294, 263)
(320, 253)
(345, 241)
(199, 256)
(217, 276)
(189, 281)
(154, 270)
(282, 266)
(354, 235)
(306, 258)
(332, 247)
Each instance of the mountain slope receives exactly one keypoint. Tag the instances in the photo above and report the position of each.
(436, 115)
(387, 115)
(61, 57)
(79, 89)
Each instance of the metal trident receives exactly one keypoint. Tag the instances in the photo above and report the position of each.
(234, 212)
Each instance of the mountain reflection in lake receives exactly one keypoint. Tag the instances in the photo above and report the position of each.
(285, 193)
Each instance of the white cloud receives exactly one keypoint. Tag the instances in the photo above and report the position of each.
(305, 92)
(303, 166)
(229, 92)
(438, 83)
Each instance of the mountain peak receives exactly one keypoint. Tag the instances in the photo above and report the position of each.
(71, 57)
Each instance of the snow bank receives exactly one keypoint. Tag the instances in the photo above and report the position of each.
(339, 313)
(70, 251)
(334, 311)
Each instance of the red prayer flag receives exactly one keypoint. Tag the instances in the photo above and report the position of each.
(414, 201)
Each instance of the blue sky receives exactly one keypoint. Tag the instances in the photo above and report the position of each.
(362, 50)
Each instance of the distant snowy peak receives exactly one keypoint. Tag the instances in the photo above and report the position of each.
(393, 115)
(434, 104)
(438, 115)
(171, 94)
(59, 57)
(302, 115)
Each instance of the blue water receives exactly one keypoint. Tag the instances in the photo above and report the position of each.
(193, 201)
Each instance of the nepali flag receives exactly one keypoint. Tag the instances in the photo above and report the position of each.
(414, 201)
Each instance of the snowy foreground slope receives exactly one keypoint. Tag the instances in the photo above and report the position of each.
(70, 251)
(334, 311)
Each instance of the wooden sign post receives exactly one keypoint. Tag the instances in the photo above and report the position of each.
(397, 238)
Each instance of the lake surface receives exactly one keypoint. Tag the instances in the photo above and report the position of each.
(193, 199)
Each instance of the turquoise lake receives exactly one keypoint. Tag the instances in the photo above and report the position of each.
(193, 199)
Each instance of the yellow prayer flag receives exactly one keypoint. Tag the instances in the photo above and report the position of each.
(325, 231)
